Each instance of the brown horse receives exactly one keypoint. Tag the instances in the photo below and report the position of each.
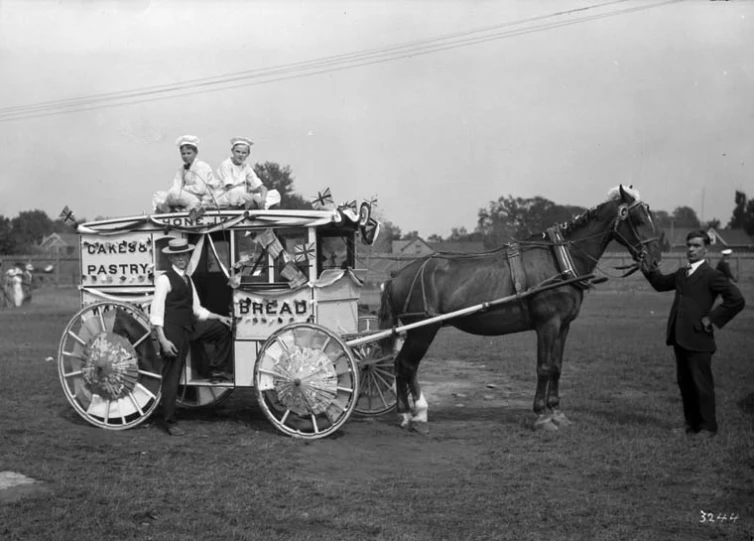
(445, 283)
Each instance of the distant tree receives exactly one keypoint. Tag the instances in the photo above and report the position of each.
(511, 218)
(714, 223)
(662, 218)
(7, 242)
(411, 235)
(434, 237)
(739, 211)
(280, 178)
(685, 217)
(29, 228)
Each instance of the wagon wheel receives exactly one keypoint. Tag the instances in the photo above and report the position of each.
(108, 365)
(377, 379)
(306, 380)
(201, 396)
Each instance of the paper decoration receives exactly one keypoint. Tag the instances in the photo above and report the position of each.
(266, 237)
(234, 281)
(303, 252)
(365, 213)
(323, 200)
(370, 231)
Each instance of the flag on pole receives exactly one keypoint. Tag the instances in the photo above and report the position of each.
(323, 200)
(67, 215)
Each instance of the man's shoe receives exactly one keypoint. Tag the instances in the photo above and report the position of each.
(706, 434)
(687, 430)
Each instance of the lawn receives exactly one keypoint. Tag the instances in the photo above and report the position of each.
(480, 474)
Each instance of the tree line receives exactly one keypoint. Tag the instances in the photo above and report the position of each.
(502, 220)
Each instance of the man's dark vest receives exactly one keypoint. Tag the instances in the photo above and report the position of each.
(179, 302)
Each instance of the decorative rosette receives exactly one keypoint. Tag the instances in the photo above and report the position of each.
(305, 381)
(111, 367)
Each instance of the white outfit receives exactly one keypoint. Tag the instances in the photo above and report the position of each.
(17, 291)
(161, 289)
(192, 187)
(236, 185)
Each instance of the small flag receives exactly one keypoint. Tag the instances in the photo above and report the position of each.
(303, 252)
(266, 237)
(274, 248)
(294, 276)
(323, 200)
(67, 215)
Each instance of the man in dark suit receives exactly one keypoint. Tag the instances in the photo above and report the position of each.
(691, 328)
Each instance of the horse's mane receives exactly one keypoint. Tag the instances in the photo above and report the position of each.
(583, 218)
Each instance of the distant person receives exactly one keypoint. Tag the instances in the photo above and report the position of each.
(237, 184)
(724, 266)
(691, 326)
(27, 281)
(179, 319)
(192, 184)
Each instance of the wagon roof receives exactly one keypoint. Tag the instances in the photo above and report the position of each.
(216, 220)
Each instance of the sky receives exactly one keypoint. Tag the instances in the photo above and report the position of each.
(441, 107)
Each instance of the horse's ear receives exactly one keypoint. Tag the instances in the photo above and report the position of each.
(623, 194)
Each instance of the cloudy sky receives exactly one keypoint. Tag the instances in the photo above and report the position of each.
(434, 107)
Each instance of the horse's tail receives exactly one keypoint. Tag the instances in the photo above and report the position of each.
(386, 315)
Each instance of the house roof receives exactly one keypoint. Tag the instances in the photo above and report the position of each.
(60, 239)
(465, 247)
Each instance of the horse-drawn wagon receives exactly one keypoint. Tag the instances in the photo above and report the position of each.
(288, 278)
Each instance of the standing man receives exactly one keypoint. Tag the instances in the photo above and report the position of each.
(691, 328)
(179, 319)
(724, 266)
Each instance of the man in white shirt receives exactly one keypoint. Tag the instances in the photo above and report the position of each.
(179, 319)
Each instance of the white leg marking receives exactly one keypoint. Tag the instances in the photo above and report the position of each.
(420, 410)
(405, 419)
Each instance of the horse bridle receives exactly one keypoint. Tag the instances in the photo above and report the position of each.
(637, 253)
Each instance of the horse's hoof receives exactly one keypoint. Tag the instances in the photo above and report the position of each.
(545, 423)
(560, 419)
(405, 420)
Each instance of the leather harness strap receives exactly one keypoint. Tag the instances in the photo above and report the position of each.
(563, 256)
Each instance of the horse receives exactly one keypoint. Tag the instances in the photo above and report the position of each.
(443, 283)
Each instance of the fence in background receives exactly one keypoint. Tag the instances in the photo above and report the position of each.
(65, 270)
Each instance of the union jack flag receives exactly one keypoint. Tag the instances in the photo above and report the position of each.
(323, 200)
(349, 205)
(67, 215)
(303, 252)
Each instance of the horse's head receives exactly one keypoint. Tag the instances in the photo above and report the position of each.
(634, 227)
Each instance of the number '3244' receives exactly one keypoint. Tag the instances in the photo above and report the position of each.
(717, 517)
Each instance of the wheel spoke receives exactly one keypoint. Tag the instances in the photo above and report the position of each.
(135, 404)
(140, 340)
(77, 337)
(345, 389)
(71, 374)
(150, 374)
(314, 425)
(101, 320)
(284, 418)
(74, 355)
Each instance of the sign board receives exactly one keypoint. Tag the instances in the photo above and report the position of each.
(259, 315)
(125, 259)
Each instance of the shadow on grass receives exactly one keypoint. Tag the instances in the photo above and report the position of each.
(746, 404)
(624, 416)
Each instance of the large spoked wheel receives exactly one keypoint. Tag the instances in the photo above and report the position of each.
(306, 380)
(377, 379)
(201, 396)
(109, 365)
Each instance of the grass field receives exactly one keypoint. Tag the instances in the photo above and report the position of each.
(480, 474)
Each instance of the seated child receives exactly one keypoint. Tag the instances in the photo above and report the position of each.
(192, 185)
(237, 184)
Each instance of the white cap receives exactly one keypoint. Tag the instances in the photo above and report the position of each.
(240, 141)
(190, 140)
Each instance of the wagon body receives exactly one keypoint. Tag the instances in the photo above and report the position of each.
(289, 278)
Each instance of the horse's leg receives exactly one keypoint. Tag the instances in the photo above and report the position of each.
(553, 397)
(547, 336)
(406, 368)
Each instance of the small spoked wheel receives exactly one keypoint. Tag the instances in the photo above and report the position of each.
(201, 396)
(109, 365)
(377, 379)
(306, 380)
